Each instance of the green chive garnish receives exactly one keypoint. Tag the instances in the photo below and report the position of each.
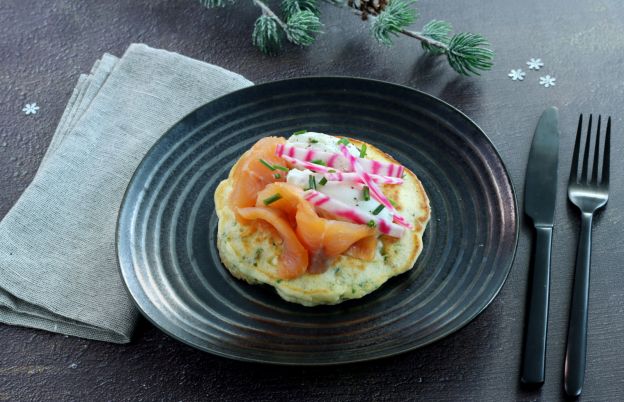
(378, 209)
(280, 167)
(371, 224)
(277, 176)
(331, 171)
(267, 164)
(312, 182)
(394, 204)
(313, 141)
(319, 162)
(343, 141)
(323, 181)
(363, 151)
(272, 199)
(300, 132)
(366, 193)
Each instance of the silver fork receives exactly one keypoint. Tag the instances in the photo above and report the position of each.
(589, 194)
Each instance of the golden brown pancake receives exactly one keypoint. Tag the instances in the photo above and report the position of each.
(250, 252)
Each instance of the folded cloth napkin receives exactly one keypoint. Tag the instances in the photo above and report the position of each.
(58, 266)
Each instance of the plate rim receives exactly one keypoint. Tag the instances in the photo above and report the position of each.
(216, 351)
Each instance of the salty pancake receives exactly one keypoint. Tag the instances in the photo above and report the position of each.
(250, 251)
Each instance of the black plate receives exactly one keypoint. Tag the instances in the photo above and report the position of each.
(167, 226)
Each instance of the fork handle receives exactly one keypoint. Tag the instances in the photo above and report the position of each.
(537, 320)
(576, 349)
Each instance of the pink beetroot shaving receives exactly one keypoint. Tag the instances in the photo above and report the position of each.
(352, 214)
(333, 159)
(374, 189)
(352, 177)
(337, 175)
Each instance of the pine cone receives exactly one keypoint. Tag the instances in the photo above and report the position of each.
(366, 7)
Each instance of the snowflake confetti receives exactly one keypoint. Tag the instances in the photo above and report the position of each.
(547, 81)
(517, 75)
(535, 64)
(30, 108)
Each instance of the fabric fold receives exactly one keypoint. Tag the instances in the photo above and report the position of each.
(58, 265)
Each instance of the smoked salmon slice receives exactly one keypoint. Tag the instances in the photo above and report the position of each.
(289, 197)
(326, 238)
(363, 249)
(252, 175)
(310, 242)
(319, 243)
(293, 261)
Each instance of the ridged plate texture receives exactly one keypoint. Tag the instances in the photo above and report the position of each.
(167, 226)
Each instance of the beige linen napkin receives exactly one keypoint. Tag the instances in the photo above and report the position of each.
(58, 267)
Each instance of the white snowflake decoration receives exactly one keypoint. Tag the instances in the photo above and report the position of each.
(30, 108)
(517, 75)
(535, 64)
(547, 81)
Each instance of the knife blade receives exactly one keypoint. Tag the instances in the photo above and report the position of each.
(540, 195)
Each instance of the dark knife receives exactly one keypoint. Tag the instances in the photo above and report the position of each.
(540, 193)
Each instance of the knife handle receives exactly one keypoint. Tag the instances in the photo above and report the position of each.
(537, 322)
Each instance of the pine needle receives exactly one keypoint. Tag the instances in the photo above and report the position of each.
(266, 35)
(291, 7)
(301, 28)
(468, 53)
(397, 16)
(438, 31)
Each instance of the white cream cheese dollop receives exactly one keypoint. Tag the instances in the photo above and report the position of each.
(322, 142)
(349, 193)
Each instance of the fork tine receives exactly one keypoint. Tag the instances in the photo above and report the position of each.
(575, 154)
(594, 178)
(586, 152)
(604, 179)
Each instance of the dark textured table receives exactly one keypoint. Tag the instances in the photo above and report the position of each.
(44, 46)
